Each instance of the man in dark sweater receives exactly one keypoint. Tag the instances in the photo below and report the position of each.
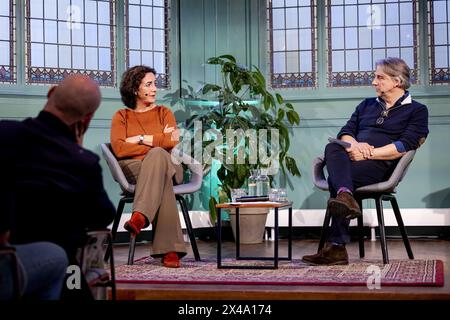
(380, 131)
(54, 185)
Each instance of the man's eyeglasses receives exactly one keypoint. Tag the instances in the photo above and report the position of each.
(383, 115)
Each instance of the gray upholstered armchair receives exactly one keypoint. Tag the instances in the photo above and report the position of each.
(383, 191)
(194, 184)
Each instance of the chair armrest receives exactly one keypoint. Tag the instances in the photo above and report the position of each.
(195, 182)
(319, 179)
(395, 178)
(116, 170)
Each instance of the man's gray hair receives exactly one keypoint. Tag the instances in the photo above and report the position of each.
(396, 68)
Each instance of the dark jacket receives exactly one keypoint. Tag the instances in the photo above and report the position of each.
(52, 187)
(405, 125)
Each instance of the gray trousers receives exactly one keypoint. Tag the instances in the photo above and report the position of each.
(154, 197)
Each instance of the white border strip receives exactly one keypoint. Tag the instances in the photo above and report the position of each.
(314, 218)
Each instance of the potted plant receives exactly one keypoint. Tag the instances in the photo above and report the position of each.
(244, 104)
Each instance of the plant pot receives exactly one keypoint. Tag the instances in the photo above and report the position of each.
(252, 224)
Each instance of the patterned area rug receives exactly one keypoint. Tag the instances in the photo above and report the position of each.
(397, 273)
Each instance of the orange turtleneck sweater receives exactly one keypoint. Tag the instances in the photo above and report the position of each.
(127, 123)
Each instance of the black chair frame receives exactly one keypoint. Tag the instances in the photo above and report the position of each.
(379, 197)
(129, 199)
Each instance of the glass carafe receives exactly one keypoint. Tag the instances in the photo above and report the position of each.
(252, 182)
(262, 184)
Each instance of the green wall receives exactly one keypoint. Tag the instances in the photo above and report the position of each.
(213, 27)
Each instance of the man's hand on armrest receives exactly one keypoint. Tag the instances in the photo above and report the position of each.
(387, 152)
(359, 150)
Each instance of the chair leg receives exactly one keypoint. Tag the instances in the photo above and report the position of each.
(361, 231)
(380, 216)
(323, 234)
(115, 227)
(118, 217)
(189, 228)
(360, 221)
(112, 280)
(131, 250)
(401, 226)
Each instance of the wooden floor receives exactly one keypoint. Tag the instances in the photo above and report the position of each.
(423, 249)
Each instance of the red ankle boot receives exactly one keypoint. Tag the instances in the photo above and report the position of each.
(171, 260)
(136, 223)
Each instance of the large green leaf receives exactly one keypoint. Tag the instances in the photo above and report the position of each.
(272, 101)
(292, 166)
(229, 57)
(259, 78)
(279, 98)
(293, 117)
(210, 87)
(221, 173)
(280, 114)
(215, 60)
(212, 210)
(242, 172)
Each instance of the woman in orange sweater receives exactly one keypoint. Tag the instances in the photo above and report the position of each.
(142, 137)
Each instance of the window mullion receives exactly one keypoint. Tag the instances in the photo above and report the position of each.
(120, 37)
(322, 74)
(20, 42)
(423, 60)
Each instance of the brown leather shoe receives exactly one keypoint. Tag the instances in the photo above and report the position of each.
(344, 205)
(330, 255)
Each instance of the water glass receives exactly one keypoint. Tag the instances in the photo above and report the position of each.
(273, 195)
(282, 195)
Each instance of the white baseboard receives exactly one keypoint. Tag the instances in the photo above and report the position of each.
(411, 217)
(314, 218)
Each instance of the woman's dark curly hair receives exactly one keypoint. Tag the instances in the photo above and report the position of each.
(131, 80)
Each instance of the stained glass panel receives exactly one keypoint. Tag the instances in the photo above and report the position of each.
(362, 32)
(146, 29)
(7, 42)
(292, 43)
(69, 36)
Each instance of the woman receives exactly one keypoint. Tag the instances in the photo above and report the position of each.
(142, 137)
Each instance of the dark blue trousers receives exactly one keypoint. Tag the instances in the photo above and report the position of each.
(342, 172)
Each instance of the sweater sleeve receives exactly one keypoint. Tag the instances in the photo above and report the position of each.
(415, 132)
(165, 140)
(351, 127)
(121, 148)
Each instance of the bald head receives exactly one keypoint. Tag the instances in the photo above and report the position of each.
(76, 97)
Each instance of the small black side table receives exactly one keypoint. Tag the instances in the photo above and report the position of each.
(273, 205)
